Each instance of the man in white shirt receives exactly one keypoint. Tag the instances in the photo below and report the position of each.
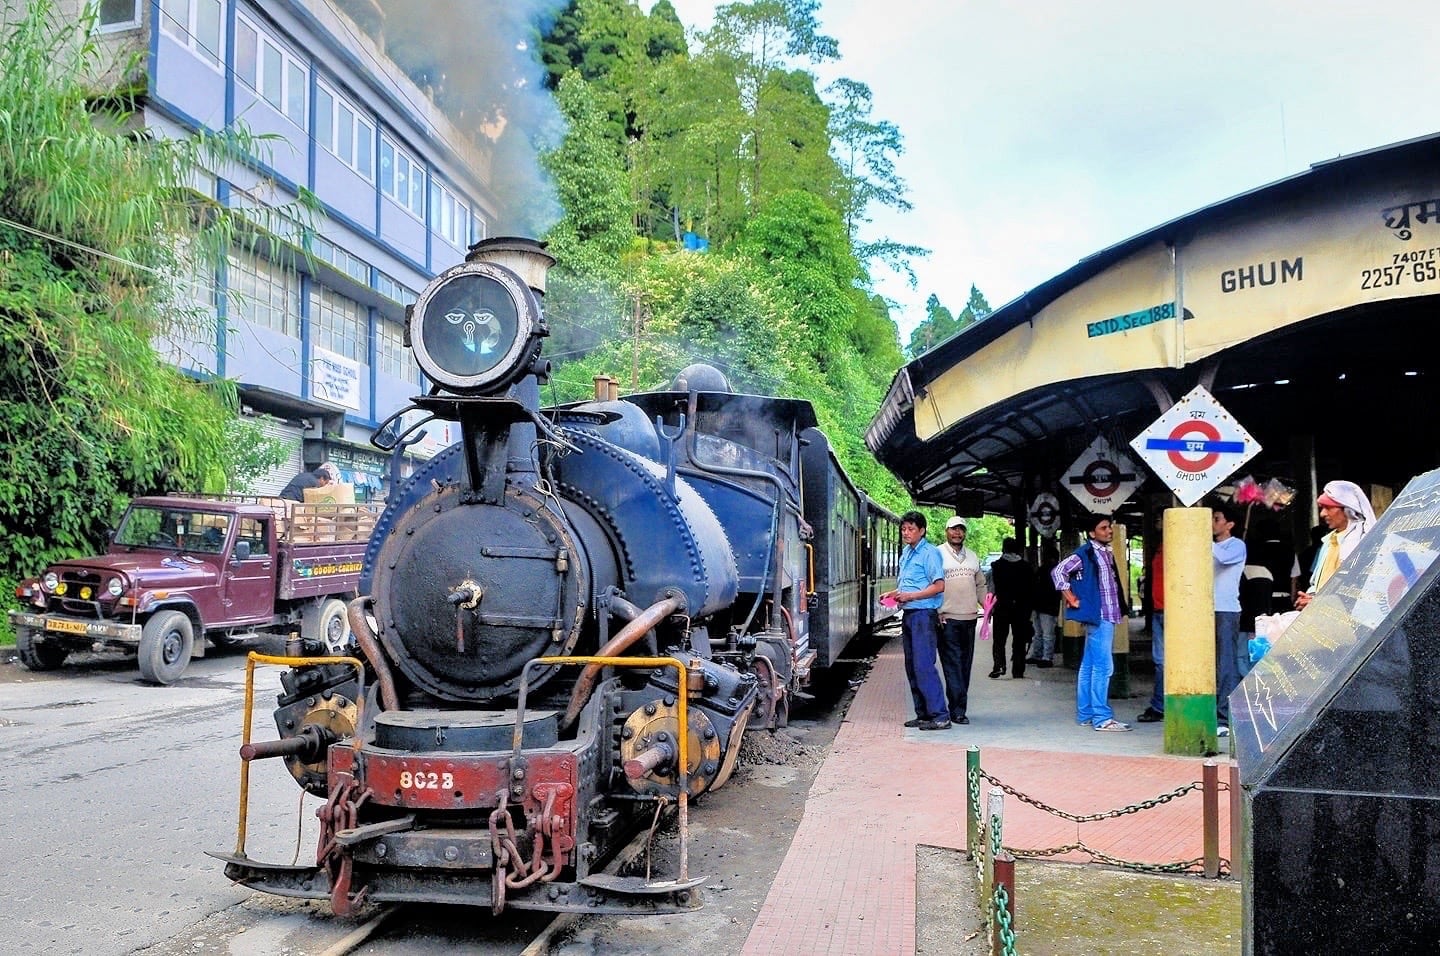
(964, 593)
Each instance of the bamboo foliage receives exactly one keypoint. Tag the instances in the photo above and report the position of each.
(97, 226)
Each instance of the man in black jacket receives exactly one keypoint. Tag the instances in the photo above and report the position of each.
(1014, 582)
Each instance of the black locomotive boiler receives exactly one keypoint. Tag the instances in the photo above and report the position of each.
(569, 619)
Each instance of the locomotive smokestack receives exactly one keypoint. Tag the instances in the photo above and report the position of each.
(524, 257)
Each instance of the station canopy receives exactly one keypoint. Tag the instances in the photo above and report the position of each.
(1303, 306)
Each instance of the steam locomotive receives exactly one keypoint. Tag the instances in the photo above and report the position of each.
(569, 619)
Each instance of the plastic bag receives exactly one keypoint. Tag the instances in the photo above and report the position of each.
(1247, 492)
(1276, 494)
(986, 607)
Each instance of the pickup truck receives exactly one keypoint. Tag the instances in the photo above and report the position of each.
(183, 569)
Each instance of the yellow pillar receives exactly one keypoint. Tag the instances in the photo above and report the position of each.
(1189, 632)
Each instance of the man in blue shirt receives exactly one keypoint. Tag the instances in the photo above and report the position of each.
(920, 590)
(1229, 565)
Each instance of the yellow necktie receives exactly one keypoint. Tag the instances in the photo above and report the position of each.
(1332, 558)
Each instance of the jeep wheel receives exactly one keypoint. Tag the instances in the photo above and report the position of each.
(325, 623)
(165, 646)
(38, 655)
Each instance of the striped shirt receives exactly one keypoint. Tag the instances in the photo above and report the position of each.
(1109, 586)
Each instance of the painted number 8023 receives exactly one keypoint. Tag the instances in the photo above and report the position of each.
(426, 780)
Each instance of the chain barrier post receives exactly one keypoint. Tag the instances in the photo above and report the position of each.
(1236, 837)
(1002, 939)
(972, 800)
(1211, 793)
(994, 835)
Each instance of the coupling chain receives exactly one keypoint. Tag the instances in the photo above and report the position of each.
(1100, 856)
(1002, 920)
(1091, 817)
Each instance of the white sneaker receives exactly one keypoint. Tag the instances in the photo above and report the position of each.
(1111, 725)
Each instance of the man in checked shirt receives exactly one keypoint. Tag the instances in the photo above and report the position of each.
(1090, 585)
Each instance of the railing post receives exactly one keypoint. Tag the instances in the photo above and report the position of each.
(1236, 837)
(1004, 923)
(972, 800)
(1211, 781)
(994, 836)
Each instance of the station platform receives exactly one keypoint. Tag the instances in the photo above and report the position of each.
(847, 885)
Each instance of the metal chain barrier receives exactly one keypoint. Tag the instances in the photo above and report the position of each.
(975, 854)
(1001, 905)
(1092, 817)
(1100, 856)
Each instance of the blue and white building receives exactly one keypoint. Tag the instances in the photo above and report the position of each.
(315, 344)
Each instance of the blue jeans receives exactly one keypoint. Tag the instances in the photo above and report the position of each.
(1227, 674)
(957, 657)
(919, 631)
(1092, 690)
(1242, 653)
(1157, 652)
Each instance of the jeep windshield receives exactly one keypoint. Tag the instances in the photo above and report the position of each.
(174, 529)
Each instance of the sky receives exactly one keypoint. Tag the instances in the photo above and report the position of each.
(1039, 132)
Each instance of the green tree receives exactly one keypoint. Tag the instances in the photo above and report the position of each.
(595, 228)
(940, 323)
(98, 235)
(759, 44)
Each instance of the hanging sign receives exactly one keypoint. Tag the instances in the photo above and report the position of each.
(1045, 514)
(1195, 445)
(1102, 478)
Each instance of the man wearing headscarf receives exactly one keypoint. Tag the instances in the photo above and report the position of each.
(1345, 509)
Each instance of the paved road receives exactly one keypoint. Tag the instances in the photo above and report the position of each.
(110, 791)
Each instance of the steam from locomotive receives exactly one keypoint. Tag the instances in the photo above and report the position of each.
(469, 759)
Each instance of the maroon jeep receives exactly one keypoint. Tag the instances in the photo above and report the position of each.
(182, 569)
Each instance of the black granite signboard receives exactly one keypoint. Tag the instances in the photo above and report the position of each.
(1337, 733)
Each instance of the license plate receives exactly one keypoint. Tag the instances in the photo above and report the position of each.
(69, 627)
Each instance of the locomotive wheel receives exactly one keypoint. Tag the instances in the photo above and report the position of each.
(165, 646)
(38, 655)
(325, 623)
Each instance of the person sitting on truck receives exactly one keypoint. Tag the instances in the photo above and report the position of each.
(324, 474)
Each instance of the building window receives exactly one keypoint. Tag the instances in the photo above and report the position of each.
(196, 25)
(353, 266)
(391, 355)
(401, 178)
(478, 228)
(270, 70)
(118, 14)
(263, 293)
(338, 324)
(341, 129)
(387, 286)
(449, 216)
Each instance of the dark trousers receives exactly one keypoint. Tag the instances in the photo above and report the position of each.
(918, 629)
(957, 655)
(1002, 621)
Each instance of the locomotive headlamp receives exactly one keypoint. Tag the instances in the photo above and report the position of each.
(476, 328)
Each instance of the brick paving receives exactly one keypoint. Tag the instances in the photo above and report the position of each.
(847, 885)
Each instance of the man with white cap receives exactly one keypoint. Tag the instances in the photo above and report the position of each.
(965, 591)
(1345, 509)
